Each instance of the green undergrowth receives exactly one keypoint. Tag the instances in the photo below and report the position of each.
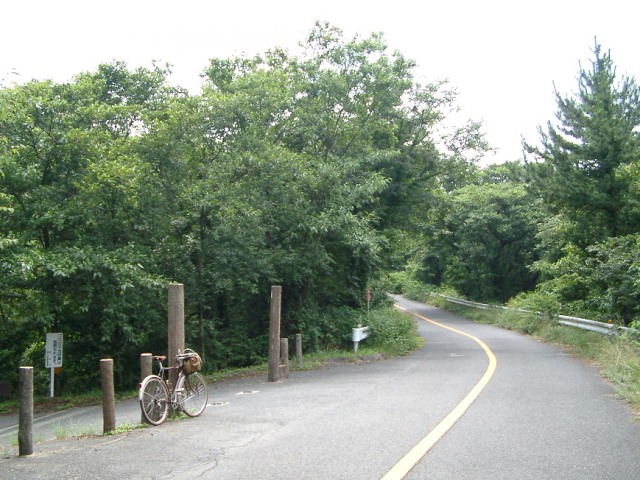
(616, 356)
(392, 334)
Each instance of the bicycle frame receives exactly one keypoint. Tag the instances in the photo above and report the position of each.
(157, 395)
(164, 373)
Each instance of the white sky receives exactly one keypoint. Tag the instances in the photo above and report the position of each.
(502, 55)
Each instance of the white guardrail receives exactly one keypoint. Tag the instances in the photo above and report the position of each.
(582, 323)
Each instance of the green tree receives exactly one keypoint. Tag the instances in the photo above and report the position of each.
(297, 170)
(492, 233)
(577, 169)
(83, 210)
(587, 174)
(316, 157)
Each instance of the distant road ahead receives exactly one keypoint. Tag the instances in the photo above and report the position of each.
(538, 413)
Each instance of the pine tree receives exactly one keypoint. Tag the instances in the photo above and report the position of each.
(577, 167)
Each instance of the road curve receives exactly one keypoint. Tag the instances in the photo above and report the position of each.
(545, 414)
(541, 414)
(415, 455)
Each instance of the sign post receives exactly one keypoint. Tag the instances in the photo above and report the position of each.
(53, 355)
(368, 302)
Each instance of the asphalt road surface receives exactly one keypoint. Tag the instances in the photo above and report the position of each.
(476, 402)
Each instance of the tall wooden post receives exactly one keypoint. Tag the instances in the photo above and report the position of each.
(274, 334)
(176, 326)
(25, 420)
(108, 396)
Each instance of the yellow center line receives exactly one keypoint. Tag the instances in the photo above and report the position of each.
(411, 459)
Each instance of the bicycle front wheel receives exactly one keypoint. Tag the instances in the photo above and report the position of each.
(193, 394)
(154, 400)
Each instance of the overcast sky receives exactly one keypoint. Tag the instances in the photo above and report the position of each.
(502, 56)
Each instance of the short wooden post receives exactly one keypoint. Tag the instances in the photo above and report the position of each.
(25, 421)
(274, 334)
(176, 326)
(284, 358)
(108, 396)
(146, 364)
(299, 349)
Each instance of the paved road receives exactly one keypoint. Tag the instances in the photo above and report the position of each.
(542, 414)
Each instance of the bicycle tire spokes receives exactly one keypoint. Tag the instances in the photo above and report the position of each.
(155, 410)
(154, 399)
(194, 395)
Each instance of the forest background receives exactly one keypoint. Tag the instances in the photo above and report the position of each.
(329, 173)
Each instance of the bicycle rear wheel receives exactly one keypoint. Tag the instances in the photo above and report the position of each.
(154, 400)
(193, 394)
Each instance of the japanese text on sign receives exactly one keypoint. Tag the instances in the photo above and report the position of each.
(53, 355)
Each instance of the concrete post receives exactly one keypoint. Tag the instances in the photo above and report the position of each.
(274, 334)
(108, 396)
(299, 349)
(146, 367)
(25, 420)
(176, 326)
(284, 358)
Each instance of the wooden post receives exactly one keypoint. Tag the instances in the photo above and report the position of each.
(108, 396)
(274, 334)
(146, 367)
(299, 349)
(284, 358)
(25, 420)
(176, 326)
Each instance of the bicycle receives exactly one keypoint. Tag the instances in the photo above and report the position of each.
(189, 396)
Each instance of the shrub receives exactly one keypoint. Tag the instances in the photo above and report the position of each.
(392, 332)
(327, 329)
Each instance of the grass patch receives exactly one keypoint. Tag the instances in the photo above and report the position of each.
(61, 432)
(126, 428)
(317, 359)
(231, 373)
(6, 452)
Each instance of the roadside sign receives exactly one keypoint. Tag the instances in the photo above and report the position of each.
(53, 355)
(53, 350)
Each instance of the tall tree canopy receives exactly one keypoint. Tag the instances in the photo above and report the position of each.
(285, 169)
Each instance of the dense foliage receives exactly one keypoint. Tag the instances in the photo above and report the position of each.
(320, 172)
(586, 171)
(559, 233)
(285, 170)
